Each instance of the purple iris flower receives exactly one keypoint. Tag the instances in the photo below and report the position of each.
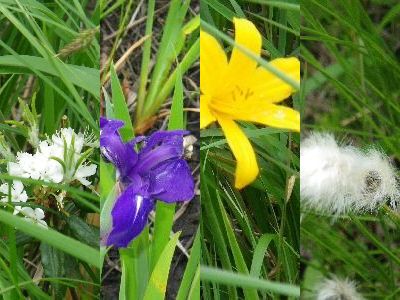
(155, 172)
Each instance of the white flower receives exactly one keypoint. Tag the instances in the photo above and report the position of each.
(34, 215)
(85, 171)
(68, 137)
(54, 172)
(37, 166)
(46, 153)
(18, 194)
(26, 166)
(68, 134)
(91, 139)
(338, 179)
(337, 289)
(49, 149)
(54, 161)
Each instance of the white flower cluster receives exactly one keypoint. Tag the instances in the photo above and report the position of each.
(338, 179)
(338, 289)
(18, 194)
(58, 159)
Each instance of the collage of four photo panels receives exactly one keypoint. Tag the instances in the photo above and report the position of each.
(208, 149)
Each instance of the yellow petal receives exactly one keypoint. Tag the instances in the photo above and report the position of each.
(264, 85)
(280, 117)
(206, 116)
(213, 63)
(246, 166)
(265, 113)
(246, 35)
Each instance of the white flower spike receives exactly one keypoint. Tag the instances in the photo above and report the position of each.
(338, 179)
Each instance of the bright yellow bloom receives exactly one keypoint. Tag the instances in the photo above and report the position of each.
(241, 90)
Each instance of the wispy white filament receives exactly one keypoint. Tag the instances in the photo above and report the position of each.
(338, 289)
(338, 179)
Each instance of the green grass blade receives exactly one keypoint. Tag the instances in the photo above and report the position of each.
(192, 268)
(245, 281)
(121, 111)
(165, 212)
(166, 52)
(54, 238)
(158, 280)
(190, 57)
(146, 56)
(260, 252)
(235, 249)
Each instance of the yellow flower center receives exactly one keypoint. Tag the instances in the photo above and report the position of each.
(239, 94)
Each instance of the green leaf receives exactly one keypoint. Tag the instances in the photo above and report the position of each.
(54, 238)
(188, 284)
(84, 77)
(169, 48)
(146, 57)
(159, 277)
(83, 231)
(260, 252)
(54, 265)
(235, 249)
(176, 117)
(121, 111)
(245, 281)
(165, 211)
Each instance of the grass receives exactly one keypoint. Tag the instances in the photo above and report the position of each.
(250, 247)
(49, 62)
(177, 51)
(350, 88)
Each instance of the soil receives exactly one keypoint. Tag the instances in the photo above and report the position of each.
(188, 221)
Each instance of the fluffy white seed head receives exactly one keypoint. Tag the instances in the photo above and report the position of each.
(338, 179)
(337, 289)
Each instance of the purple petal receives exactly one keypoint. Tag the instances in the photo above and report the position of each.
(161, 138)
(172, 181)
(159, 147)
(103, 122)
(122, 155)
(129, 217)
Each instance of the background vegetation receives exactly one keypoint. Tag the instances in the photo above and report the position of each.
(350, 87)
(49, 52)
(253, 232)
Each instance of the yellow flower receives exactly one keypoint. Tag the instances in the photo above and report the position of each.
(242, 90)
